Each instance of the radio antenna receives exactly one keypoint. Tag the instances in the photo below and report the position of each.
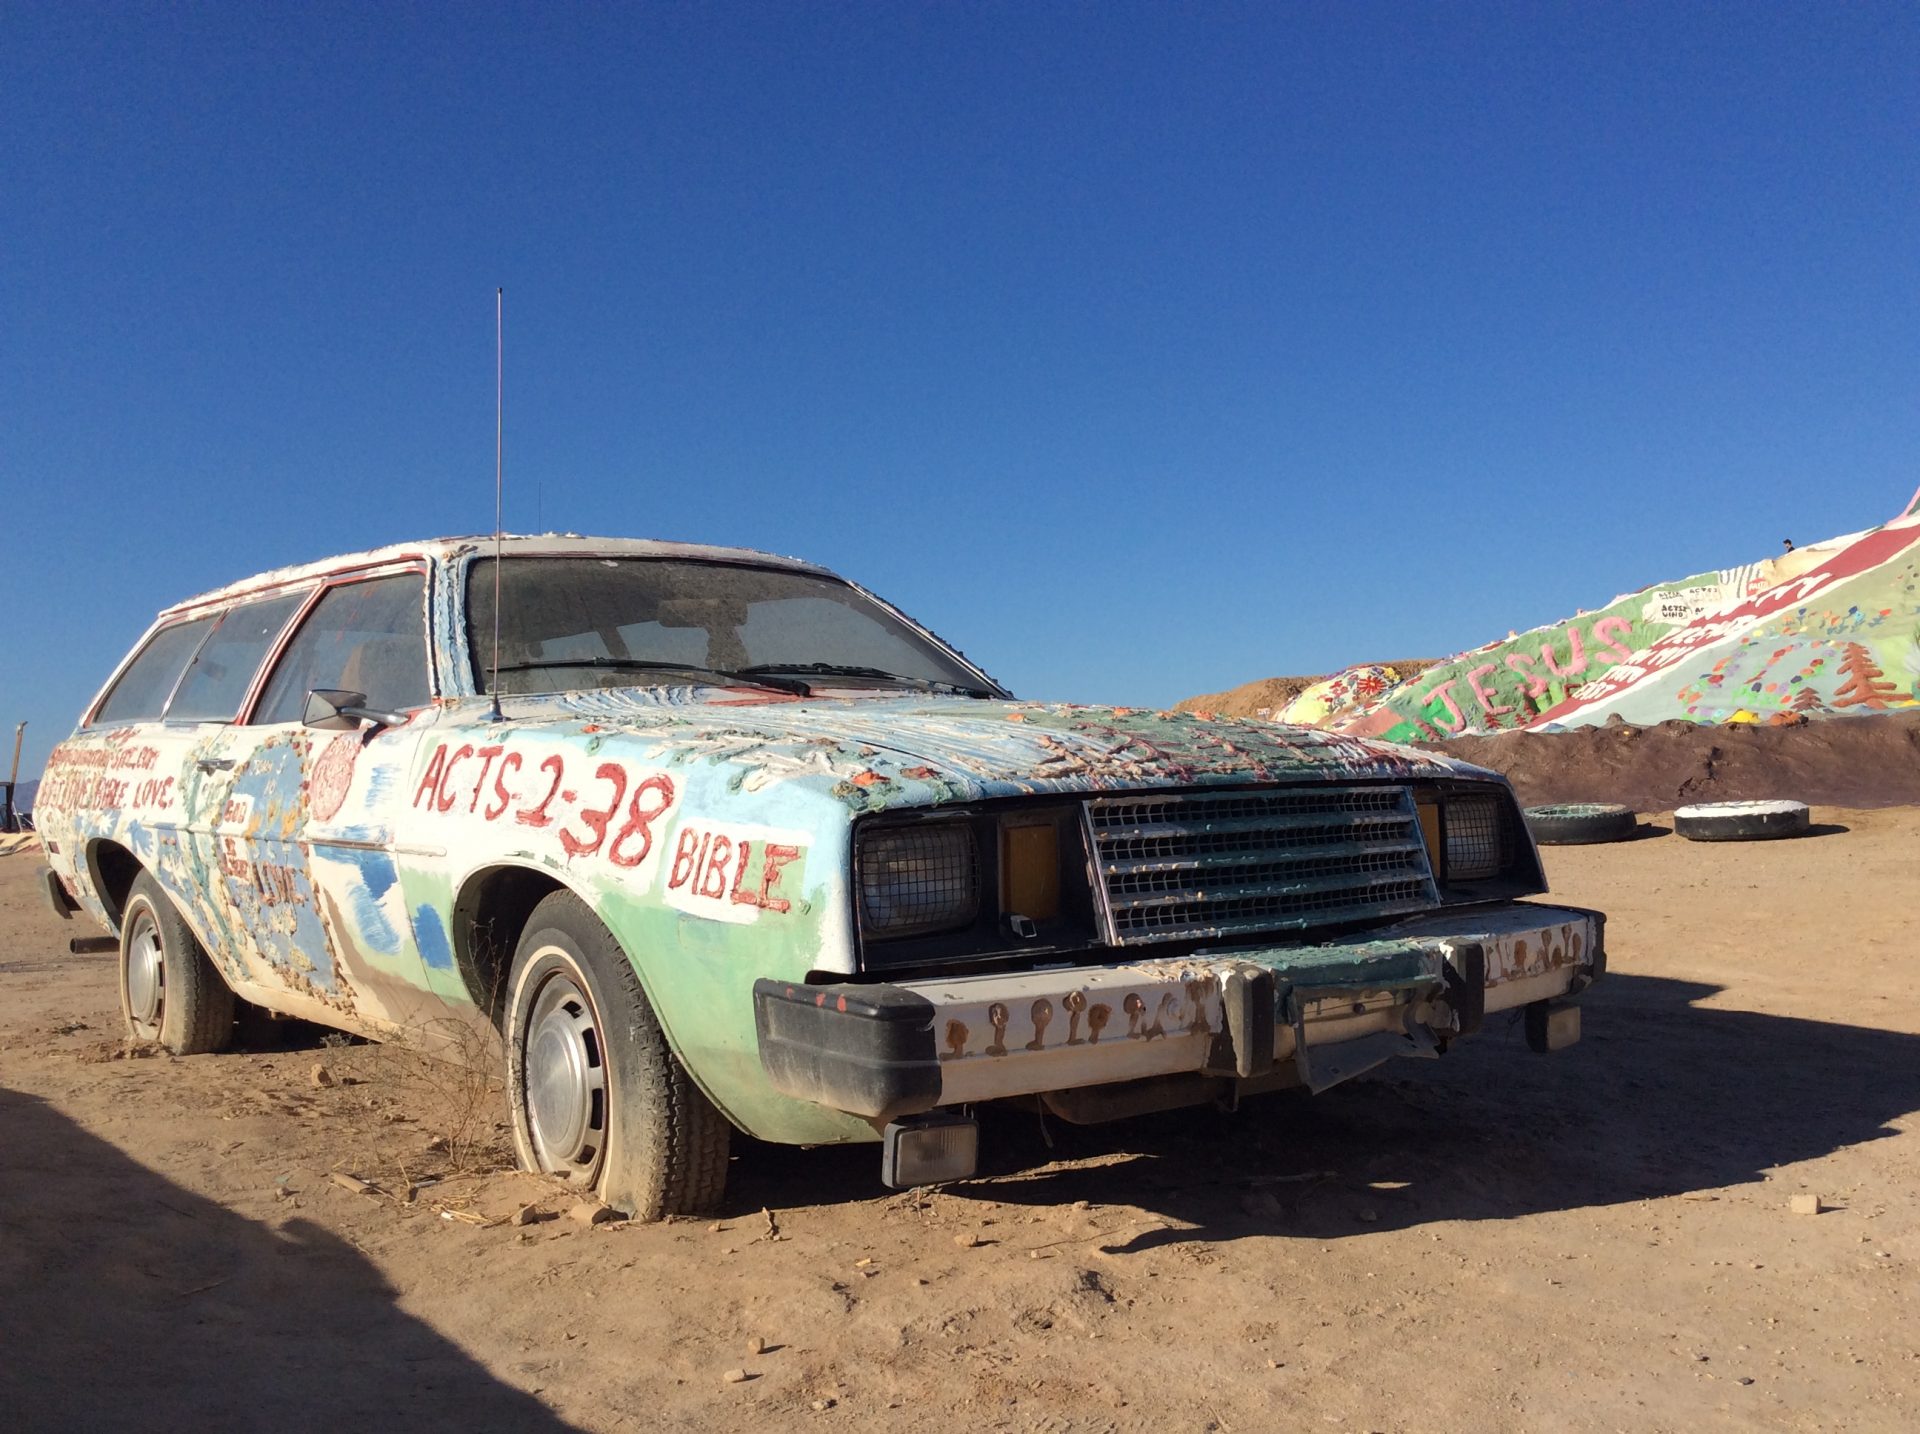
(499, 451)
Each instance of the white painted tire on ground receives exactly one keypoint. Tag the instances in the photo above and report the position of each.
(1742, 821)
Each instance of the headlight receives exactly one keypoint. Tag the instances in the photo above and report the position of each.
(1473, 837)
(918, 879)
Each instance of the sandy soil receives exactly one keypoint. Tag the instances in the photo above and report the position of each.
(1596, 1240)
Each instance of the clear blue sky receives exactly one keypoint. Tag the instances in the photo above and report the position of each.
(1139, 349)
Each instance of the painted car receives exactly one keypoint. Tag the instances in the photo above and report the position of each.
(698, 839)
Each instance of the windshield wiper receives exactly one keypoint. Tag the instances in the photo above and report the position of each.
(873, 674)
(641, 664)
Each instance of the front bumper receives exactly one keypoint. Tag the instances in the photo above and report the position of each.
(1256, 1013)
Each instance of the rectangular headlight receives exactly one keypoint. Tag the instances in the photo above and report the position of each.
(918, 879)
(1473, 837)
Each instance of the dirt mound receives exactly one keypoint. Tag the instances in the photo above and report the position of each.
(1269, 694)
(1849, 761)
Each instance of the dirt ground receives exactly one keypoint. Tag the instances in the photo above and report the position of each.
(1862, 761)
(1598, 1240)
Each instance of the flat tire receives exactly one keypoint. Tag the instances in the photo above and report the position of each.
(596, 1095)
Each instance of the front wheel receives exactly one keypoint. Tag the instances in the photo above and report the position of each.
(597, 1097)
(169, 991)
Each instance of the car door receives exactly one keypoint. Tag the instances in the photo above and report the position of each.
(308, 826)
(204, 709)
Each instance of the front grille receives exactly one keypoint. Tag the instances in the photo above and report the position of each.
(1203, 866)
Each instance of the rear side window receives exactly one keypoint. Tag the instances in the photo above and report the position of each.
(143, 689)
(222, 671)
(366, 637)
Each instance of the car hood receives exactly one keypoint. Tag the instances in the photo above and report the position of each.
(883, 750)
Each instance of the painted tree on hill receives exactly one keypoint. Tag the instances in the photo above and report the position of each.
(1805, 700)
(1864, 686)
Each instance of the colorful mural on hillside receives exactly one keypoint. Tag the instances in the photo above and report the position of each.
(1829, 628)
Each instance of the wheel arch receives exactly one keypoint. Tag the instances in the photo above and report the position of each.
(490, 913)
(112, 868)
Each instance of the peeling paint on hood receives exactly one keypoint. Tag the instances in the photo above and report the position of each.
(877, 750)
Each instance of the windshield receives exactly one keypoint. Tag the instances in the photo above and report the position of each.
(572, 623)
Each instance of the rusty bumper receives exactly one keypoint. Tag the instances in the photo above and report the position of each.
(884, 1051)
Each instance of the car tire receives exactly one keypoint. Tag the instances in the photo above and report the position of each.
(597, 1096)
(1742, 821)
(170, 992)
(1581, 823)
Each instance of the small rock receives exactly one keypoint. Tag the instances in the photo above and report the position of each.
(1805, 1205)
(966, 1240)
(435, 1143)
(1081, 1205)
(1367, 1216)
(1262, 1205)
(756, 1345)
(591, 1213)
(736, 1376)
(1744, 1379)
(821, 1406)
(918, 1281)
(525, 1215)
(321, 1077)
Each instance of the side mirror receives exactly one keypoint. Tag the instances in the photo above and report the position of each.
(334, 709)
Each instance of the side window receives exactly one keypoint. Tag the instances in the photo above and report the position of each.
(144, 687)
(366, 637)
(221, 672)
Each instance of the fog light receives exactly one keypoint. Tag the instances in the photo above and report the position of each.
(929, 1149)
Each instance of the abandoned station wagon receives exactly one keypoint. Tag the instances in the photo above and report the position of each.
(705, 838)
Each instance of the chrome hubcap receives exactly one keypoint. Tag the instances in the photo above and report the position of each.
(566, 1081)
(146, 973)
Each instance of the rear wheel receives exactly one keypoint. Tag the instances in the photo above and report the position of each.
(169, 990)
(597, 1096)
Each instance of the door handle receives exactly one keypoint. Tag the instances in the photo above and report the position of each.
(214, 764)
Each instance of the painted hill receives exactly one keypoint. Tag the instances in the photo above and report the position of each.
(1833, 628)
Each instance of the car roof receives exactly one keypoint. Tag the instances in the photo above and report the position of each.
(513, 544)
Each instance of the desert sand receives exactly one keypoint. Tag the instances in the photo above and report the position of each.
(1602, 1239)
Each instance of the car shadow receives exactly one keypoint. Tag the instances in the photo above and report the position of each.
(127, 1301)
(1661, 1097)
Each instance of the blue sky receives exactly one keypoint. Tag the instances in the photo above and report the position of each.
(1141, 350)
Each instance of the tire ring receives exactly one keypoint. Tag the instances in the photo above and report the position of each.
(1742, 821)
(1581, 823)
